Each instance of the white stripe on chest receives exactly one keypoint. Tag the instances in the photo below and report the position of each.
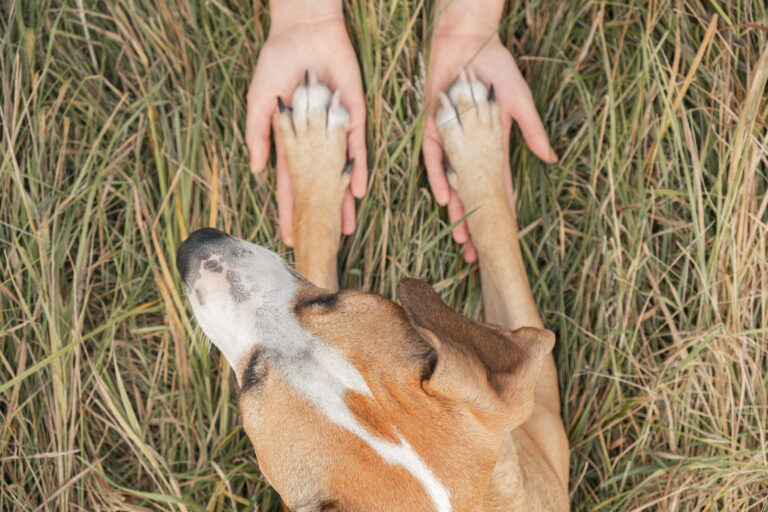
(322, 375)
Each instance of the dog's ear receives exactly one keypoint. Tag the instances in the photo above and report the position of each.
(491, 370)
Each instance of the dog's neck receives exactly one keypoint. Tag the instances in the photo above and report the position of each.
(485, 475)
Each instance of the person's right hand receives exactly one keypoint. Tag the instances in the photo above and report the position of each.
(293, 47)
(465, 35)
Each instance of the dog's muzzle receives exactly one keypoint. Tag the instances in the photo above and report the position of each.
(192, 250)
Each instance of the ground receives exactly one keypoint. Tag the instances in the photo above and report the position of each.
(122, 130)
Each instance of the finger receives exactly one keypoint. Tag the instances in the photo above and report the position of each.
(261, 107)
(527, 118)
(285, 199)
(470, 252)
(356, 145)
(348, 213)
(455, 212)
(432, 148)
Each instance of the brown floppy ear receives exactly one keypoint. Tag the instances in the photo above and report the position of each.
(490, 369)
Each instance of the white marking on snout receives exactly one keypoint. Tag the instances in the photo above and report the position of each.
(233, 324)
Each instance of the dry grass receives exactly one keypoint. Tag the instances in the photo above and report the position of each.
(122, 129)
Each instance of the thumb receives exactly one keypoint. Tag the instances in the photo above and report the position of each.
(257, 128)
(527, 118)
(433, 160)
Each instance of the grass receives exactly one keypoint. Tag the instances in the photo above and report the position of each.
(122, 129)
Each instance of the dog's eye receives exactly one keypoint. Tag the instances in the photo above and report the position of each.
(327, 302)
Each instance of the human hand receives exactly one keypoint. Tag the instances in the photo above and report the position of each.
(493, 64)
(316, 41)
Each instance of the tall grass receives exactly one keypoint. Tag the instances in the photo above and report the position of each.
(122, 129)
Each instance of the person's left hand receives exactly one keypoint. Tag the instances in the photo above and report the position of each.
(324, 48)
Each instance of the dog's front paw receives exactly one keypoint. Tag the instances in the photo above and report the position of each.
(313, 134)
(470, 124)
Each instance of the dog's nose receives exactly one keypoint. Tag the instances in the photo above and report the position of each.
(192, 245)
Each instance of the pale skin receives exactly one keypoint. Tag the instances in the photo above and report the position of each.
(310, 34)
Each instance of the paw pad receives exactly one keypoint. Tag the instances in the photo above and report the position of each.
(467, 97)
(314, 108)
(469, 121)
(313, 135)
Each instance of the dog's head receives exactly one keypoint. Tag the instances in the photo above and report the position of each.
(351, 401)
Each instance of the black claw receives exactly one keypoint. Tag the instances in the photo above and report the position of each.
(458, 117)
(492, 94)
(348, 168)
(306, 77)
(448, 168)
(280, 104)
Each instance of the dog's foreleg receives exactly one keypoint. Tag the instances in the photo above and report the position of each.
(470, 123)
(313, 135)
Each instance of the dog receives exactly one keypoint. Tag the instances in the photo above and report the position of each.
(355, 403)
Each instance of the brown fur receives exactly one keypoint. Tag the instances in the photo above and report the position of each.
(315, 162)
(477, 402)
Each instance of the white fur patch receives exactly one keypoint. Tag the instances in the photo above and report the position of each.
(236, 327)
(337, 113)
(308, 98)
(316, 96)
(464, 90)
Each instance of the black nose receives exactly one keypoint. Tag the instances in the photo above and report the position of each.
(190, 247)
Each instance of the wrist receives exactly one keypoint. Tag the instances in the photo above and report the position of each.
(467, 18)
(287, 14)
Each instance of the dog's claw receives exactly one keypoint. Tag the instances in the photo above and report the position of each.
(348, 168)
(492, 94)
(462, 75)
(448, 169)
(280, 104)
(306, 77)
